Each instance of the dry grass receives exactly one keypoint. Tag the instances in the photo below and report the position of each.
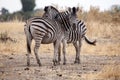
(107, 36)
(15, 30)
(108, 72)
(101, 28)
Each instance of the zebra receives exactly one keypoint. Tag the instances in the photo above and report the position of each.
(45, 31)
(74, 35)
(50, 15)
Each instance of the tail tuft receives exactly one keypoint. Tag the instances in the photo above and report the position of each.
(90, 42)
(28, 47)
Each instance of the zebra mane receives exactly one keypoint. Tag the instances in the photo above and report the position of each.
(56, 12)
(54, 9)
(51, 11)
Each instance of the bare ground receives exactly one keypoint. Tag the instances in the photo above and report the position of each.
(13, 67)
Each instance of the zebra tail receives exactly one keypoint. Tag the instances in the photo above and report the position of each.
(28, 40)
(28, 46)
(90, 42)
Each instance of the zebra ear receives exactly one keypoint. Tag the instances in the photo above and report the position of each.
(69, 9)
(77, 8)
(74, 10)
(46, 8)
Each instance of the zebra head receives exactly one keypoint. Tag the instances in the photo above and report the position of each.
(73, 17)
(73, 12)
(50, 12)
(61, 17)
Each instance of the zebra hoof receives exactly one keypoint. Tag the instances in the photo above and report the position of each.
(58, 63)
(77, 62)
(64, 63)
(28, 64)
(39, 64)
(55, 62)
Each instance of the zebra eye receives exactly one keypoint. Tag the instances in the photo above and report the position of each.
(56, 16)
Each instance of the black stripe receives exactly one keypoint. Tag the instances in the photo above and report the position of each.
(39, 30)
(45, 31)
(38, 21)
(63, 22)
(50, 27)
(39, 27)
(63, 19)
(83, 26)
(66, 14)
(81, 23)
(72, 36)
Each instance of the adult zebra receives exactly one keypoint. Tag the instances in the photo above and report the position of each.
(75, 33)
(45, 31)
(50, 14)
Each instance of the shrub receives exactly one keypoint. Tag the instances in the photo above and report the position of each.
(4, 37)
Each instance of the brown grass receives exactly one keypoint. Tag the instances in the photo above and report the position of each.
(101, 27)
(107, 36)
(108, 72)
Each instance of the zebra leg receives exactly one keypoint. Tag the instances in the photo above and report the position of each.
(77, 48)
(36, 48)
(59, 54)
(56, 46)
(64, 52)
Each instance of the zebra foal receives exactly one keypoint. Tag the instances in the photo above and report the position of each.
(76, 34)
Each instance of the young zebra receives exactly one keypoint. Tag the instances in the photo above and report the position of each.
(45, 31)
(74, 34)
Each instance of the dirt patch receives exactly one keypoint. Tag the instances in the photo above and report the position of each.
(13, 67)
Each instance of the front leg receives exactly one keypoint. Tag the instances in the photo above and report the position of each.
(56, 46)
(36, 48)
(77, 48)
(64, 51)
(59, 54)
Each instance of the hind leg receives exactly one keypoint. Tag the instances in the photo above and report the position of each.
(56, 46)
(36, 48)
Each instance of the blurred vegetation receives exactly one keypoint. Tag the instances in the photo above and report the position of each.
(94, 14)
(4, 37)
(107, 16)
(24, 14)
(28, 5)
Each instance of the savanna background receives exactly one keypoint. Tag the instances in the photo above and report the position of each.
(100, 62)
